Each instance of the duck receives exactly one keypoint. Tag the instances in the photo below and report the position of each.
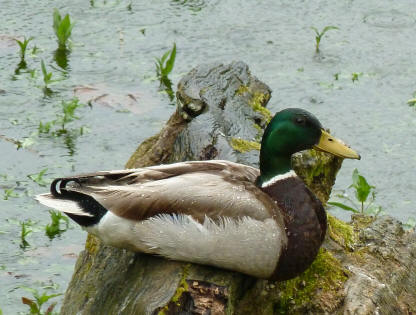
(263, 222)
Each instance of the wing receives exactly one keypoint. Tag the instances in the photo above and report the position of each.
(206, 188)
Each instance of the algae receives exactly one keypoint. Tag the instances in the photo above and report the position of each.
(324, 280)
(257, 103)
(242, 90)
(242, 145)
(182, 287)
(342, 233)
(92, 244)
(320, 168)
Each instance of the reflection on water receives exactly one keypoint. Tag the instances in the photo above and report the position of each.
(61, 57)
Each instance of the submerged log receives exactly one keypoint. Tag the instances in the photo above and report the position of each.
(364, 267)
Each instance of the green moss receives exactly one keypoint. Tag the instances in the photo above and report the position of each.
(242, 145)
(362, 221)
(257, 103)
(342, 233)
(319, 169)
(242, 90)
(182, 287)
(323, 279)
(92, 244)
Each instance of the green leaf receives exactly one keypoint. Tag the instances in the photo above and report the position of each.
(38, 178)
(171, 61)
(315, 29)
(34, 309)
(328, 28)
(43, 67)
(343, 206)
(42, 299)
(56, 20)
(361, 186)
(363, 189)
(165, 55)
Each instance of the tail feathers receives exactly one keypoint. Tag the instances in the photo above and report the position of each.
(63, 205)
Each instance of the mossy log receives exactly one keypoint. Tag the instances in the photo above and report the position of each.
(365, 267)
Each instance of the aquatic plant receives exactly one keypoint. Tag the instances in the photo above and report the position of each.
(412, 101)
(54, 228)
(38, 178)
(38, 301)
(365, 195)
(164, 67)
(355, 76)
(66, 116)
(23, 46)
(63, 28)
(47, 76)
(25, 230)
(319, 35)
(10, 193)
(68, 110)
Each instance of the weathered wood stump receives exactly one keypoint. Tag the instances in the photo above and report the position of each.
(364, 268)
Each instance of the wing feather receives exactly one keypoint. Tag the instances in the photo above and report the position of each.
(201, 188)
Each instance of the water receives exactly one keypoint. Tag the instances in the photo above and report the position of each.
(114, 49)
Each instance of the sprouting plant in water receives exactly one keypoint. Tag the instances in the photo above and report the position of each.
(54, 228)
(364, 194)
(66, 116)
(39, 299)
(39, 177)
(23, 46)
(319, 35)
(25, 230)
(68, 113)
(63, 28)
(10, 193)
(45, 127)
(47, 76)
(412, 102)
(355, 76)
(164, 67)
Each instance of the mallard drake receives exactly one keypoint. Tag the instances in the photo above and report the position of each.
(264, 223)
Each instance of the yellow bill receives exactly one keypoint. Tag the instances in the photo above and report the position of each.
(328, 143)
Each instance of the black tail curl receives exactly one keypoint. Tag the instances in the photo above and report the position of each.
(87, 203)
(62, 186)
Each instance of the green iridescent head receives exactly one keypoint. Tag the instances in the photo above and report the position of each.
(292, 130)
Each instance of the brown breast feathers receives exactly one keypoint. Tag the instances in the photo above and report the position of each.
(305, 221)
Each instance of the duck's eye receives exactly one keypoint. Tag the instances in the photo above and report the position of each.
(300, 120)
